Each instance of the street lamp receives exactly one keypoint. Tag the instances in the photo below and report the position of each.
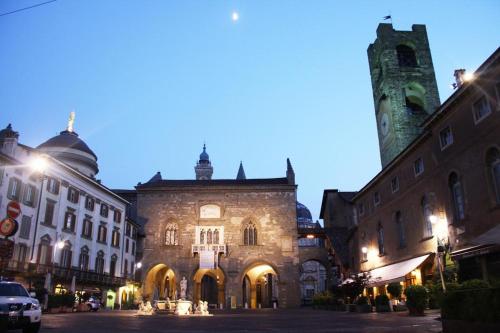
(441, 230)
(138, 265)
(39, 164)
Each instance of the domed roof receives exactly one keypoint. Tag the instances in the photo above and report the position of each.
(204, 156)
(8, 132)
(65, 140)
(303, 214)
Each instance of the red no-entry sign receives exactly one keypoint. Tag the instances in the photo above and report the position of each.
(13, 209)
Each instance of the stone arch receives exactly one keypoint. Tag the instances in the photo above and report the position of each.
(313, 278)
(159, 282)
(407, 56)
(209, 285)
(415, 98)
(263, 278)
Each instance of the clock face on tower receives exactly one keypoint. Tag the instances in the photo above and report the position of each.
(384, 124)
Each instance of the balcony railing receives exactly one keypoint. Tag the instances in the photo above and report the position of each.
(64, 273)
(218, 248)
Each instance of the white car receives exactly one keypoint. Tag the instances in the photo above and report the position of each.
(18, 309)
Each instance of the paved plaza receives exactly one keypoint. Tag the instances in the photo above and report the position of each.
(266, 320)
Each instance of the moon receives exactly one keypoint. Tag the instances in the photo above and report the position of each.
(235, 16)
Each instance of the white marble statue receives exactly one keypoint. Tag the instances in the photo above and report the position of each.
(183, 308)
(145, 309)
(183, 287)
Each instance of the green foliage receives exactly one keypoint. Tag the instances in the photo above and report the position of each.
(395, 289)
(54, 301)
(474, 284)
(481, 304)
(355, 288)
(381, 300)
(416, 298)
(322, 299)
(68, 300)
(363, 300)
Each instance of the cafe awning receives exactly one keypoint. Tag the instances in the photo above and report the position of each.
(394, 272)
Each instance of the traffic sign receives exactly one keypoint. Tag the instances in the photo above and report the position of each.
(8, 227)
(13, 209)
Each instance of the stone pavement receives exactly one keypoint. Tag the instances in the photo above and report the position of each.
(265, 320)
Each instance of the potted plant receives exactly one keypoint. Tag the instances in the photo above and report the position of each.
(362, 305)
(395, 289)
(416, 300)
(382, 303)
(54, 303)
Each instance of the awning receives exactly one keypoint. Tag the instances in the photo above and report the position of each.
(394, 272)
(492, 236)
(474, 251)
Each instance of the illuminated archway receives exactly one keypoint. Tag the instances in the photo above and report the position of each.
(313, 279)
(160, 283)
(209, 285)
(260, 285)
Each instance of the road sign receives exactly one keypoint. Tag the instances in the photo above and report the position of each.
(8, 227)
(13, 209)
(6, 248)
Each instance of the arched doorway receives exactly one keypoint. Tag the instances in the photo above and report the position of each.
(260, 286)
(313, 279)
(209, 286)
(160, 283)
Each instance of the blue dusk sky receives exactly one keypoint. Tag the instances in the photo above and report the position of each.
(150, 81)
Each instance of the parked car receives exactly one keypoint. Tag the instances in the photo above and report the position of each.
(93, 304)
(18, 308)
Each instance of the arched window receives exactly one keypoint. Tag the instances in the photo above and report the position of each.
(209, 236)
(84, 259)
(216, 236)
(380, 239)
(66, 255)
(427, 212)
(457, 197)
(112, 266)
(250, 234)
(45, 250)
(406, 56)
(493, 163)
(171, 234)
(99, 263)
(400, 229)
(202, 236)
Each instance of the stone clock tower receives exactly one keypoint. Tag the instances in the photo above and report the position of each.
(404, 86)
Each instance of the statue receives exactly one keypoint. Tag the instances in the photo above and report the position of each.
(71, 121)
(183, 287)
(145, 309)
(202, 308)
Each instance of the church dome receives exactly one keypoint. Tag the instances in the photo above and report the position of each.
(303, 214)
(204, 156)
(70, 149)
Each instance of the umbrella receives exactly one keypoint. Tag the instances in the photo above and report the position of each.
(47, 284)
(73, 285)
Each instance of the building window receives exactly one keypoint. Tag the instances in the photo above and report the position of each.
(216, 236)
(53, 185)
(49, 212)
(104, 210)
(112, 266)
(73, 195)
(481, 109)
(364, 255)
(2, 172)
(29, 195)
(400, 229)
(22, 254)
(445, 137)
(133, 248)
(427, 212)
(66, 254)
(24, 232)
(395, 184)
(125, 268)
(14, 192)
(250, 234)
(89, 203)
(209, 236)
(418, 166)
(83, 263)
(361, 209)
(380, 239)
(99, 263)
(457, 197)
(376, 198)
(126, 245)
(171, 234)
(132, 267)
(102, 233)
(87, 228)
(127, 229)
(117, 216)
(115, 238)
(69, 221)
(45, 251)
(493, 163)
(406, 56)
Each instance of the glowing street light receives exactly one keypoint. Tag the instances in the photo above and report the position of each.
(138, 265)
(364, 249)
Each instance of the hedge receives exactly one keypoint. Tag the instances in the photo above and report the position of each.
(481, 305)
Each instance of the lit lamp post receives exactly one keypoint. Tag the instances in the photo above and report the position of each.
(441, 229)
(39, 165)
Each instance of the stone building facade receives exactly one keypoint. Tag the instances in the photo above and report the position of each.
(235, 241)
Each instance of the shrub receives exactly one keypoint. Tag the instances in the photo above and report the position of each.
(322, 299)
(381, 300)
(68, 300)
(474, 284)
(395, 289)
(54, 301)
(416, 299)
(363, 300)
(481, 304)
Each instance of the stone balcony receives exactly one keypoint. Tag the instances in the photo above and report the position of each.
(218, 248)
